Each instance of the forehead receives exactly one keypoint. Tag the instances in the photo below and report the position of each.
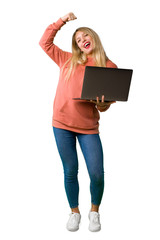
(79, 34)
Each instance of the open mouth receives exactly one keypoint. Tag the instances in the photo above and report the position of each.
(86, 45)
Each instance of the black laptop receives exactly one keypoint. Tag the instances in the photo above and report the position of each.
(113, 83)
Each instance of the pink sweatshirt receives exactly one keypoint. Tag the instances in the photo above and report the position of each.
(74, 115)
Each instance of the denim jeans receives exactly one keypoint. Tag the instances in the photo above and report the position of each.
(93, 154)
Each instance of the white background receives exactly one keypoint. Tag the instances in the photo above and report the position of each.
(33, 204)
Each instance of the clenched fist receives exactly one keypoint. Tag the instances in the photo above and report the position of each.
(69, 17)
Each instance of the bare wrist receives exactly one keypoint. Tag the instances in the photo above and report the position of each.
(63, 19)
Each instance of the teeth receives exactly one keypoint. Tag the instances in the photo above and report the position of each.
(86, 45)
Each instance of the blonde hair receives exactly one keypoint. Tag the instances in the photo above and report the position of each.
(79, 57)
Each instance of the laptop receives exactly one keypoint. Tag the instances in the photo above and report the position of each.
(113, 83)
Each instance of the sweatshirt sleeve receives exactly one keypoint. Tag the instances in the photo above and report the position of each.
(46, 42)
(110, 64)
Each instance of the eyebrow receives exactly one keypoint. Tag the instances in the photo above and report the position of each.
(80, 37)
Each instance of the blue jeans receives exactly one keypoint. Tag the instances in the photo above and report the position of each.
(93, 154)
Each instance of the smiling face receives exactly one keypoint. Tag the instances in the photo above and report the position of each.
(84, 42)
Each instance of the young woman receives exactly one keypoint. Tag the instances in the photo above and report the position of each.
(74, 119)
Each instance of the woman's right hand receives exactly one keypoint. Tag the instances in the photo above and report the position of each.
(69, 17)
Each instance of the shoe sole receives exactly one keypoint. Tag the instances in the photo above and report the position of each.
(94, 230)
(73, 230)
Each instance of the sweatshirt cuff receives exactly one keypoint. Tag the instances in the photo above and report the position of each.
(59, 23)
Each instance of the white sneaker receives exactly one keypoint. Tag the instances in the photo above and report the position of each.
(73, 222)
(94, 225)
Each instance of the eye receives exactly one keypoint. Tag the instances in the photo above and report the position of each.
(86, 35)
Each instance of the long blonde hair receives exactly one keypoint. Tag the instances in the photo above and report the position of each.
(79, 57)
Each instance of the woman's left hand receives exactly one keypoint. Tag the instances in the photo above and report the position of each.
(102, 105)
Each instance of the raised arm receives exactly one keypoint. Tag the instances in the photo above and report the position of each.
(46, 42)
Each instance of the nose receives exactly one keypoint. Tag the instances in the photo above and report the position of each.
(83, 39)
